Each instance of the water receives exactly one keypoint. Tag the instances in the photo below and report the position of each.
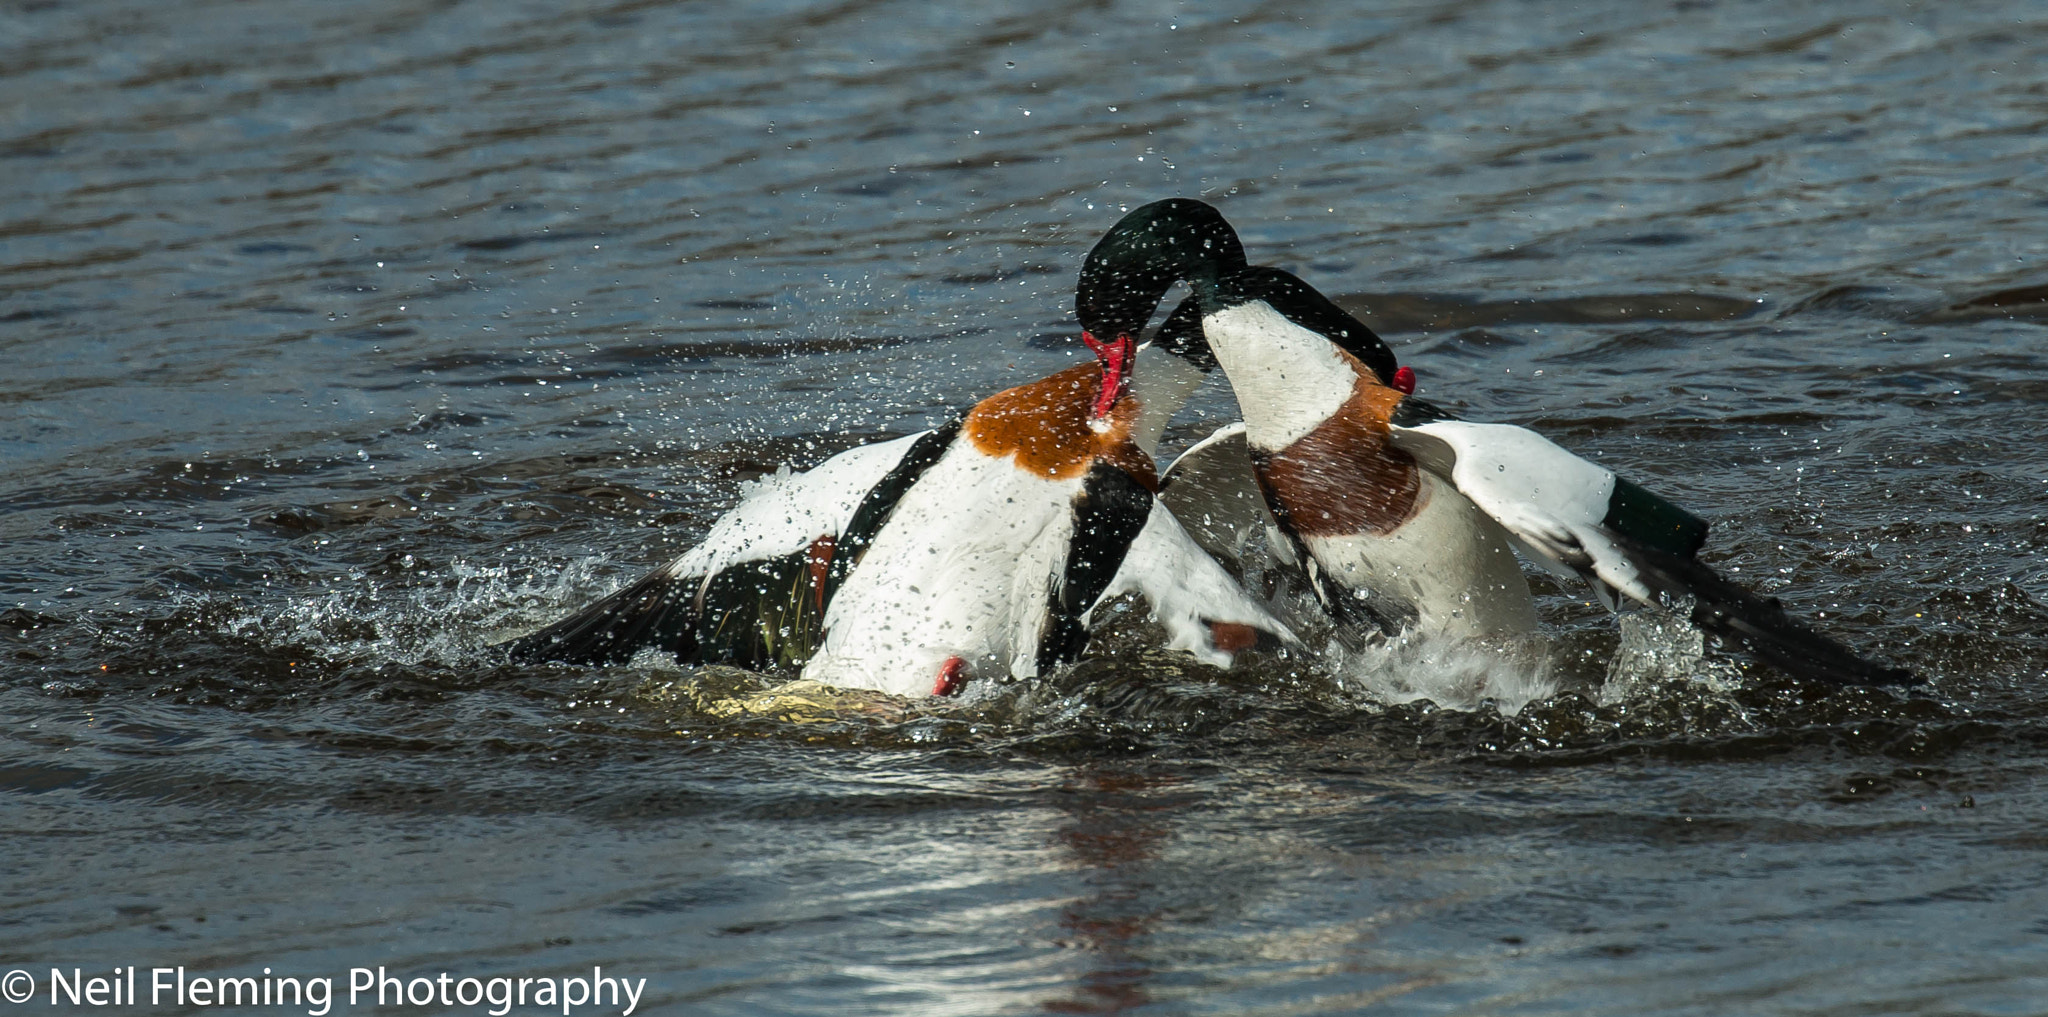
(341, 341)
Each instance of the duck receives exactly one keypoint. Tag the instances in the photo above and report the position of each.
(980, 550)
(1408, 518)
(1385, 545)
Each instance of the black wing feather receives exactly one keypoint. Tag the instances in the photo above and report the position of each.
(754, 614)
(1758, 624)
(1647, 519)
(875, 509)
(1108, 515)
(761, 614)
(657, 610)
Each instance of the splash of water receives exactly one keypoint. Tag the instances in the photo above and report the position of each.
(1456, 674)
(1660, 648)
(447, 621)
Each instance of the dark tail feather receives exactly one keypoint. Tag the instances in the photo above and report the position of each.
(655, 612)
(1758, 624)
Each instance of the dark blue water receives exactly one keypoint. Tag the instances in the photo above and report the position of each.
(338, 341)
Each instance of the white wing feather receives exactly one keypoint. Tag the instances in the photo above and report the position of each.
(1214, 493)
(782, 513)
(1186, 589)
(1551, 501)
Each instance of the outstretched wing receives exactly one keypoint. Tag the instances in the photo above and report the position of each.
(753, 593)
(1203, 609)
(1580, 519)
(1214, 493)
(1562, 510)
(655, 611)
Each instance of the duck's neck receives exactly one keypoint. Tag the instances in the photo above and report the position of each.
(1288, 380)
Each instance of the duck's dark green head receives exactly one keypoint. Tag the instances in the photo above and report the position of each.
(1132, 267)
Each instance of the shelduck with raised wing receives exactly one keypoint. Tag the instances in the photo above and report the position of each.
(1392, 500)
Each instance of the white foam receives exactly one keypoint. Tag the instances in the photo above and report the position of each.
(1458, 674)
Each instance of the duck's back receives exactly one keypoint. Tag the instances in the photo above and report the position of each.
(964, 569)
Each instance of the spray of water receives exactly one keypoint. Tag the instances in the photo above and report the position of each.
(1660, 649)
(1456, 674)
(447, 621)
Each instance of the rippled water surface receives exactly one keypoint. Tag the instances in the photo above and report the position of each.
(340, 340)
